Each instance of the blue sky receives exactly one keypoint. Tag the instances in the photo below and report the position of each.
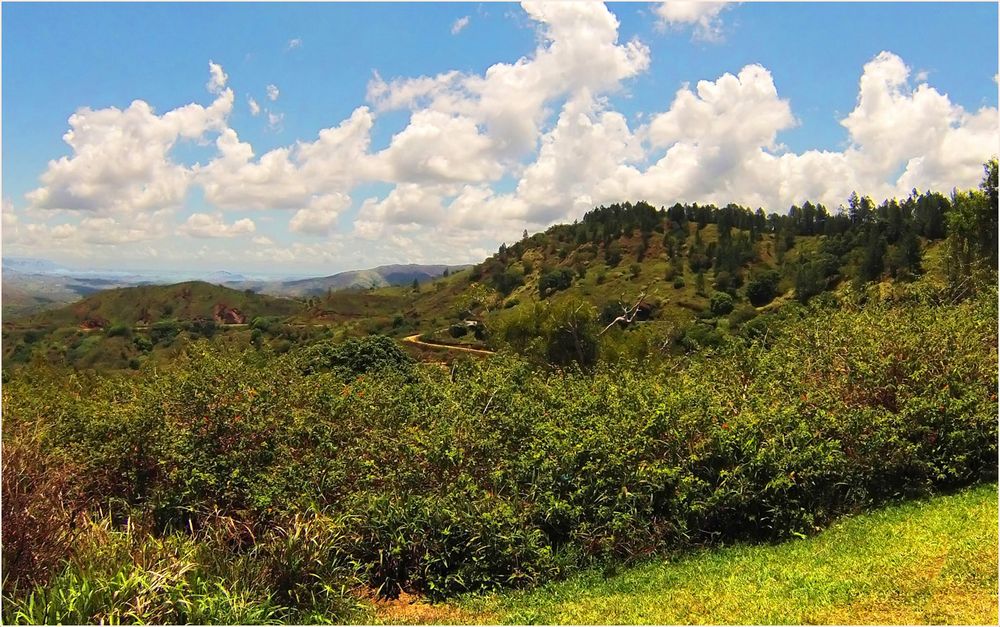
(771, 135)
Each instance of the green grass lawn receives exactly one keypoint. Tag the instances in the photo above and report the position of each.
(932, 561)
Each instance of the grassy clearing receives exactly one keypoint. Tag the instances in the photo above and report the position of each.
(932, 561)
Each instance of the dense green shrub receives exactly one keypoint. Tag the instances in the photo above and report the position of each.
(697, 336)
(554, 281)
(164, 332)
(721, 303)
(117, 330)
(558, 334)
(763, 287)
(356, 356)
(498, 473)
(142, 343)
(507, 281)
(741, 315)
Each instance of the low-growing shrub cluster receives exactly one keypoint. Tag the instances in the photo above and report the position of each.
(341, 467)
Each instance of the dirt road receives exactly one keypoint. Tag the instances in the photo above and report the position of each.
(415, 340)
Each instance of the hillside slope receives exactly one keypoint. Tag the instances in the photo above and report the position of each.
(701, 271)
(193, 300)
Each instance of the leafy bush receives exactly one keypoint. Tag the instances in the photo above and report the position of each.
(613, 254)
(40, 503)
(493, 473)
(762, 287)
(558, 334)
(507, 281)
(723, 281)
(118, 330)
(203, 328)
(142, 343)
(554, 281)
(164, 332)
(356, 356)
(721, 303)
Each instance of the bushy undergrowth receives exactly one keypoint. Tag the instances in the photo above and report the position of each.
(261, 486)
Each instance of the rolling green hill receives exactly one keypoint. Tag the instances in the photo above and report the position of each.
(624, 281)
(146, 305)
(122, 328)
(701, 271)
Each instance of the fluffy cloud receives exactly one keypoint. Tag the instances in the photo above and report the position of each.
(459, 25)
(579, 52)
(716, 138)
(120, 231)
(78, 238)
(294, 43)
(437, 147)
(895, 123)
(407, 205)
(120, 162)
(742, 110)
(540, 127)
(10, 219)
(273, 93)
(578, 163)
(206, 225)
(703, 15)
(288, 178)
(468, 130)
(320, 216)
(721, 145)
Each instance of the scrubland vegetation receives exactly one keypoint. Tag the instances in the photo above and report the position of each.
(242, 481)
(245, 487)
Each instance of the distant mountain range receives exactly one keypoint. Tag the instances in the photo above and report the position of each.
(382, 276)
(32, 285)
(25, 264)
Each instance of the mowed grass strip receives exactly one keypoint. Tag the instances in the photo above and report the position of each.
(922, 562)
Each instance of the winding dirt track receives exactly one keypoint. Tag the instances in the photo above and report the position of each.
(415, 340)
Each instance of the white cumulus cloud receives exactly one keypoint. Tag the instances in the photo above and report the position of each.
(524, 144)
(288, 178)
(320, 215)
(120, 161)
(206, 225)
(702, 14)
